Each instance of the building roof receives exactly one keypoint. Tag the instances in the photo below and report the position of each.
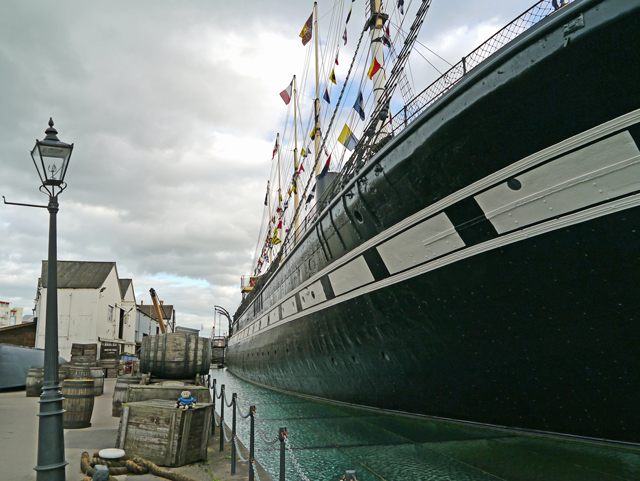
(149, 310)
(187, 329)
(124, 285)
(79, 274)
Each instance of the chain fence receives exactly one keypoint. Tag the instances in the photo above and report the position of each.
(269, 441)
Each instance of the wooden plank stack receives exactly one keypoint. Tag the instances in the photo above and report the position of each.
(110, 366)
(84, 354)
(167, 436)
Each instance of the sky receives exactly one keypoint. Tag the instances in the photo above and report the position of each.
(173, 108)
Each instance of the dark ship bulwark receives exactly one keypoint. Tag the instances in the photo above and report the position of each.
(484, 265)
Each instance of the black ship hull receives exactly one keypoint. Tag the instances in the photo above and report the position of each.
(484, 265)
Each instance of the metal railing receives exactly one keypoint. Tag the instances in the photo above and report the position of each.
(507, 34)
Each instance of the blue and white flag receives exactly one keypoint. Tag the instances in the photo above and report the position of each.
(359, 105)
(311, 194)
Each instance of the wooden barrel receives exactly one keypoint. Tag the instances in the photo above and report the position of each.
(78, 403)
(79, 372)
(34, 382)
(177, 355)
(97, 373)
(120, 393)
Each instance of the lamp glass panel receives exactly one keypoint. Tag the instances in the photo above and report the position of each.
(54, 159)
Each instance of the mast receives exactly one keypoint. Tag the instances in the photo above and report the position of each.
(295, 157)
(269, 223)
(279, 190)
(376, 23)
(317, 102)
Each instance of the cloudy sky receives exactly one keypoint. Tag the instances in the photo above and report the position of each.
(173, 107)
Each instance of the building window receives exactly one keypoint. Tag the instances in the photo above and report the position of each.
(110, 314)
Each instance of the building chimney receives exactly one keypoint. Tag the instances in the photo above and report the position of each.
(142, 303)
(162, 303)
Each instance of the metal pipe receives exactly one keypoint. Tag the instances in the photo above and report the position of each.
(233, 433)
(282, 433)
(213, 418)
(252, 411)
(222, 418)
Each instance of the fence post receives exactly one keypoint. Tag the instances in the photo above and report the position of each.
(222, 417)
(213, 418)
(464, 66)
(282, 433)
(233, 438)
(351, 476)
(252, 411)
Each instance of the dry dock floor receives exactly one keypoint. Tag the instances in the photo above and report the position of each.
(19, 438)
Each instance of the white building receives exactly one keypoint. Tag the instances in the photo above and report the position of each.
(9, 316)
(94, 306)
(146, 324)
(5, 313)
(168, 315)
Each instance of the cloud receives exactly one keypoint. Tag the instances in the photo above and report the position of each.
(173, 108)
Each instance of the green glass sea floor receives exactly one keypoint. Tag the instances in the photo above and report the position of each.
(327, 440)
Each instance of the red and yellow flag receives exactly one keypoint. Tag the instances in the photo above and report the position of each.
(305, 34)
(375, 66)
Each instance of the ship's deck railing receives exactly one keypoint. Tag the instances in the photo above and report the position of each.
(438, 88)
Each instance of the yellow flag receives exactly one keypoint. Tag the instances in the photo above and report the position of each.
(347, 138)
(333, 76)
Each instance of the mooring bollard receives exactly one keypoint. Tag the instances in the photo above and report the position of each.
(222, 418)
(233, 435)
(350, 476)
(252, 411)
(100, 473)
(282, 433)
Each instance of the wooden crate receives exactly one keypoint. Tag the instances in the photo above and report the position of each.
(167, 392)
(167, 436)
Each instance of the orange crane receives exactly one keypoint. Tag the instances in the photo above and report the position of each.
(159, 315)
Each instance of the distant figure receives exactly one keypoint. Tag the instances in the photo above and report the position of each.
(186, 401)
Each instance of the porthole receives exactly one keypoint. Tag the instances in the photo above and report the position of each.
(514, 184)
(358, 216)
(313, 294)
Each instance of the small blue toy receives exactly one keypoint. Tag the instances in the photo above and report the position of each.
(186, 401)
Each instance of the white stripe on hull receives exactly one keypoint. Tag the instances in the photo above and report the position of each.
(432, 238)
(350, 276)
(612, 163)
(604, 170)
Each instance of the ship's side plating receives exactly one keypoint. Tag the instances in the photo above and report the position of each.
(484, 265)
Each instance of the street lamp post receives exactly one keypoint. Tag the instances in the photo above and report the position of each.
(51, 158)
